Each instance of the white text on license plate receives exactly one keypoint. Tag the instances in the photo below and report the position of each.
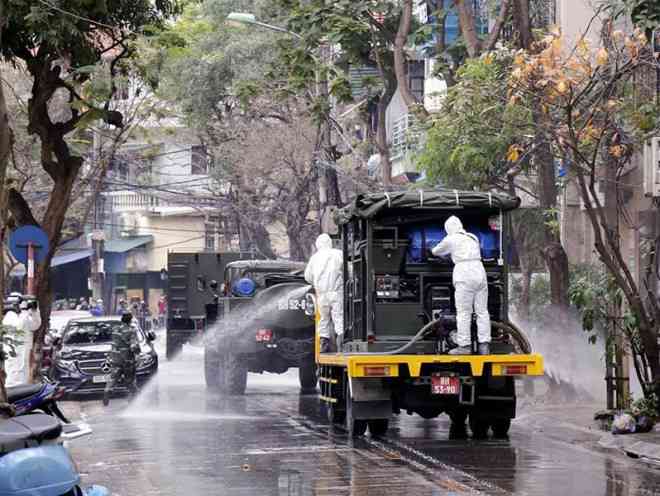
(100, 378)
(291, 304)
(442, 384)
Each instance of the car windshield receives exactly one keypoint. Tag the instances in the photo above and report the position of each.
(90, 332)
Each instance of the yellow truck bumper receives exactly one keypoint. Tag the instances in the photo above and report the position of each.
(388, 365)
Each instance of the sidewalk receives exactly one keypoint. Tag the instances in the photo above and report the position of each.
(644, 446)
(581, 427)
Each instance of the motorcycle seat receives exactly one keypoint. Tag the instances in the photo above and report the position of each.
(17, 393)
(26, 431)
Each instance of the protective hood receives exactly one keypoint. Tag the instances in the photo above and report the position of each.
(453, 225)
(323, 242)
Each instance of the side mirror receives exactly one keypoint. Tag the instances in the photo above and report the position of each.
(151, 336)
(310, 305)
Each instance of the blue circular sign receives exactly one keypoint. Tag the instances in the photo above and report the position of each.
(21, 237)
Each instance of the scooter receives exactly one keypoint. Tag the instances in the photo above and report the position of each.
(34, 461)
(28, 398)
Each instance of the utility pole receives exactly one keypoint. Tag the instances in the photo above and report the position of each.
(97, 266)
(617, 362)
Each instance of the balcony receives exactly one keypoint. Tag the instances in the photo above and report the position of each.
(133, 201)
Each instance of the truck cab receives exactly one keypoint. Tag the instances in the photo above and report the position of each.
(259, 325)
(400, 317)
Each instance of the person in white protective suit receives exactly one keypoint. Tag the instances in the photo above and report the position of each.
(325, 273)
(470, 286)
(28, 321)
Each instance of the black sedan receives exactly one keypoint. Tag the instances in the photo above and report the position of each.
(81, 361)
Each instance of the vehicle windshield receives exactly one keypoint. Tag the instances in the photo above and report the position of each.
(90, 332)
(258, 276)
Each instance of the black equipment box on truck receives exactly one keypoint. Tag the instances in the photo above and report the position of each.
(189, 288)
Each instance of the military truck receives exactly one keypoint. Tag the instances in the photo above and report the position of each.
(189, 288)
(400, 317)
(259, 325)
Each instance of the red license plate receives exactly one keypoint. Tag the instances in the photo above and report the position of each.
(442, 384)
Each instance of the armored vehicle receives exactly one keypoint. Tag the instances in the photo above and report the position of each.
(400, 318)
(259, 325)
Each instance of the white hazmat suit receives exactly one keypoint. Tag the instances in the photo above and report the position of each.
(18, 367)
(325, 272)
(470, 283)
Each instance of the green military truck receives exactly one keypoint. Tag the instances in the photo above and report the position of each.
(259, 325)
(190, 278)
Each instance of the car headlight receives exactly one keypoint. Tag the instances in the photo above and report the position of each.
(145, 360)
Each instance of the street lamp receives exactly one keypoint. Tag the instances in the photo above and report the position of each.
(247, 18)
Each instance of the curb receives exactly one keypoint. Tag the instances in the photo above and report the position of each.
(631, 447)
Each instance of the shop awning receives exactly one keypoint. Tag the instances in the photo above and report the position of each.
(122, 245)
(58, 260)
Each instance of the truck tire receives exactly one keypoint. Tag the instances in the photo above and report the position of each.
(213, 371)
(500, 427)
(479, 427)
(307, 375)
(378, 427)
(172, 347)
(354, 427)
(457, 428)
(235, 372)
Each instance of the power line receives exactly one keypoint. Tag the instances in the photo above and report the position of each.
(81, 18)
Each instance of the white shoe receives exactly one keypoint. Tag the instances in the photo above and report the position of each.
(461, 350)
(484, 348)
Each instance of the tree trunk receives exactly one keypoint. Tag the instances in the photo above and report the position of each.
(553, 253)
(526, 283)
(440, 49)
(523, 23)
(382, 145)
(52, 223)
(468, 29)
(259, 239)
(400, 58)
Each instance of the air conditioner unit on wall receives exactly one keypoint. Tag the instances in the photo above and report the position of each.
(652, 167)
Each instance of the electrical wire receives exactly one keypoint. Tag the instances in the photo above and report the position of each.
(81, 18)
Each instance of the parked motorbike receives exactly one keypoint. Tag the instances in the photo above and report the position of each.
(28, 398)
(34, 461)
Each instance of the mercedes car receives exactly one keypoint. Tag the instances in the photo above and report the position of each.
(81, 357)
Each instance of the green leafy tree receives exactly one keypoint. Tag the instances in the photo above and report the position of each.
(60, 45)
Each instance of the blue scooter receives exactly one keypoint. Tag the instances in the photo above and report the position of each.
(28, 398)
(34, 462)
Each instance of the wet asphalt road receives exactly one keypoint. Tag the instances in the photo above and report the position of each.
(177, 439)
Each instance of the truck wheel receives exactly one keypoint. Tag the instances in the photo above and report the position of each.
(479, 427)
(172, 347)
(378, 427)
(355, 427)
(235, 374)
(457, 429)
(307, 375)
(213, 371)
(500, 427)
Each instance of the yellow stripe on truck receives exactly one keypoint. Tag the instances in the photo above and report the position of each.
(368, 366)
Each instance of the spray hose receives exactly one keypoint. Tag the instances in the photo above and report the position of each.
(508, 327)
(420, 334)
